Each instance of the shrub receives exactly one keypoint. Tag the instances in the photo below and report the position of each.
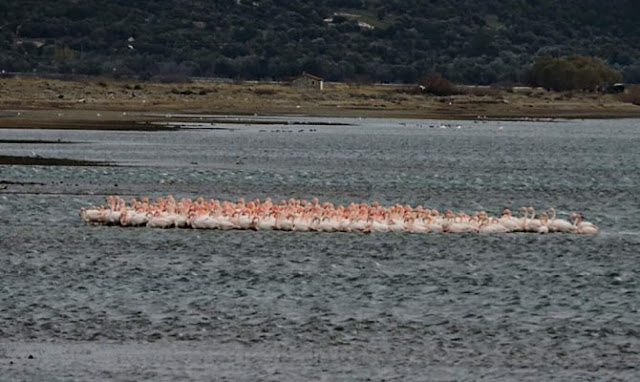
(572, 73)
(437, 85)
(262, 91)
(483, 91)
(632, 95)
(171, 78)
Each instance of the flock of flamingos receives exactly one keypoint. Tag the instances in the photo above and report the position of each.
(302, 215)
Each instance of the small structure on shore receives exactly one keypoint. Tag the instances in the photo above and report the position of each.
(307, 81)
(613, 88)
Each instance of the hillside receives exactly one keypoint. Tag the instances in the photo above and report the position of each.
(352, 40)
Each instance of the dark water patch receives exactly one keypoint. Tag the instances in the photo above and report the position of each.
(246, 121)
(34, 142)
(106, 125)
(205, 128)
(40, 161)
(9, 182)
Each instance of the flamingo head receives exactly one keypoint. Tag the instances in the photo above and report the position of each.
(577, 218)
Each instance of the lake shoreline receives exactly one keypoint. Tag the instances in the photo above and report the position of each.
(107, 103)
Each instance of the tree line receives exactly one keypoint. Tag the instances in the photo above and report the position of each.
(571, 73)
(349, 40)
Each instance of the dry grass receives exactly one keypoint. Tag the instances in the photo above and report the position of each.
(337, 99)
(632, 95)
(483, 92)
(265, 92)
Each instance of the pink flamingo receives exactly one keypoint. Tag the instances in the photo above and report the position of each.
(585, 228)
(559, 225)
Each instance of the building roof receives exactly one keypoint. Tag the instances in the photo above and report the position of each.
(311, 76)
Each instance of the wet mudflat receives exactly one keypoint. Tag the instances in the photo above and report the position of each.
(95, 302)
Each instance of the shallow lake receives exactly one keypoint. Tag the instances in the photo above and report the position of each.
(96, 302)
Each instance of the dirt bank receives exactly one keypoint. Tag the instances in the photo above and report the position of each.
(85, 97)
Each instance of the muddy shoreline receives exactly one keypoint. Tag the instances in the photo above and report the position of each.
(40, 161)
(91, 97)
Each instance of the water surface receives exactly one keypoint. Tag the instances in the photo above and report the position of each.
(94, 302)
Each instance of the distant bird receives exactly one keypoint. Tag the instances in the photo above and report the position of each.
(130, 46)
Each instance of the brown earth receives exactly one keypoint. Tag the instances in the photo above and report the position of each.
(108, 104)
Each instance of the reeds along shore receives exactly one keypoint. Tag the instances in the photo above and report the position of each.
(302, 215)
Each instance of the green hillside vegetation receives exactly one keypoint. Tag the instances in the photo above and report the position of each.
(466, 41)
(573, 73)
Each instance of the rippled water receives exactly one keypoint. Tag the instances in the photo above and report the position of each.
(92, 302)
